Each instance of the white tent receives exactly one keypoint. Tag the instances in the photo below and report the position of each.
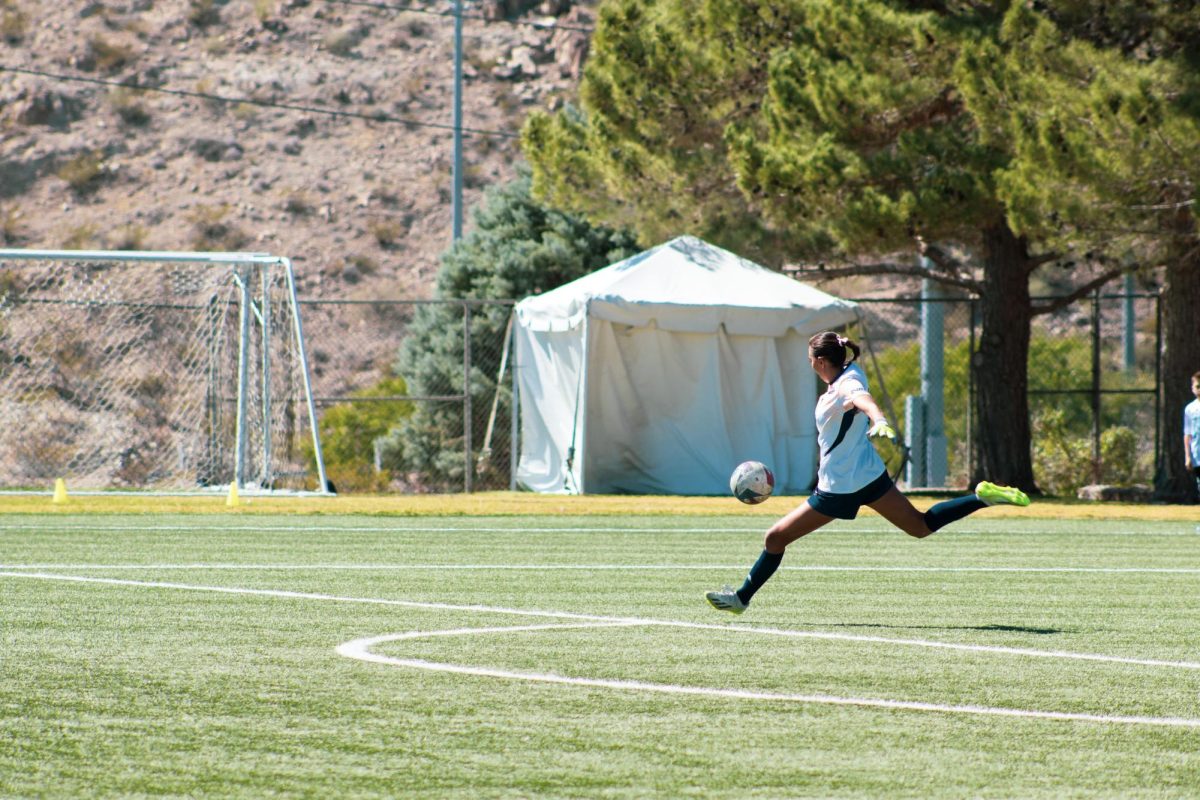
(660, 373)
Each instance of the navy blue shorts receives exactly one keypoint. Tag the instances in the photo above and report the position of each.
(846, 506)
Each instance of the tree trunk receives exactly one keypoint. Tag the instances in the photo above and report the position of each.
(1002, 363)
(1180, 360)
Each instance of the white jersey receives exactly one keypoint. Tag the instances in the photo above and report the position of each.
(1191, 427)
(848, 459)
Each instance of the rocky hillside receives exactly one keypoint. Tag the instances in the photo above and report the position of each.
(361, 201)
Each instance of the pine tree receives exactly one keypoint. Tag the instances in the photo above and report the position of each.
(1101, 113)
(518, 247)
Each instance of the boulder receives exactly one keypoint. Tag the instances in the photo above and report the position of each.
(1116, 494)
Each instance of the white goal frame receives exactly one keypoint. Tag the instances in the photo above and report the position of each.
(256, 287)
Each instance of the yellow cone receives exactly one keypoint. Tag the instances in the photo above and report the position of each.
(60, 491)
(232, 501)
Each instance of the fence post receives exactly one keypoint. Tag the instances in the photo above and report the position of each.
(971, 355)
(1158, 399)
(1096, 386)
(468, 423)
(514, 413)
(915, 439)
(933, 380)
(1130, 320)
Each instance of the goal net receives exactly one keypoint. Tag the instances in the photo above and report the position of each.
(166, 372)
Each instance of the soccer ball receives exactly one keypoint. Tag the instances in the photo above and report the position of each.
(751, 482)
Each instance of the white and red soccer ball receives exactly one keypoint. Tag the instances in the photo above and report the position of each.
(752, 482)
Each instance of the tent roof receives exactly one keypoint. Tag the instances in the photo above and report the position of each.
(688, 285)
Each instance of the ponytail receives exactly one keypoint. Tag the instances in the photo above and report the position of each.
(832, 347)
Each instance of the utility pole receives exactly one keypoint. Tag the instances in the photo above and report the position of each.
(456, 195)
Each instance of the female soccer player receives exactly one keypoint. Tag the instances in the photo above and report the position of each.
(850, 473)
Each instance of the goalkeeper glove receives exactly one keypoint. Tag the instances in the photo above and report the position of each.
(881, 428)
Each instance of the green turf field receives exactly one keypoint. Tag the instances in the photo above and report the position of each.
(233, 655)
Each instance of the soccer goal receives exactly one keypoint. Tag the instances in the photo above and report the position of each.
(161, 372)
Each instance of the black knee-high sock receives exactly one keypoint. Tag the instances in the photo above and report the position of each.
(947, 511)
(763, 568)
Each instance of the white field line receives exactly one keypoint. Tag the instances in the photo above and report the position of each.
(500, 610)
(594, 568)
(516, 527)
(213, 527)
(361, 649)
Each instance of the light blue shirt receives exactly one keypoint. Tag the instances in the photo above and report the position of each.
(1191, 427)
(848, 459)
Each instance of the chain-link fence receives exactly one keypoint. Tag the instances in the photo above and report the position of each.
(389, 380)
(1093, 396)
(1092, 377)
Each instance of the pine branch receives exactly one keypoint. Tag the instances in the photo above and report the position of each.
(823, 273)
(885, 129)
(1080, 291)
(1044, 258)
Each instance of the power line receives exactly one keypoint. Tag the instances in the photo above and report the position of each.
(377, 117)
(417, 10)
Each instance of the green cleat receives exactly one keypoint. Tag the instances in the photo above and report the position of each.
(993, 494)
(726, 600)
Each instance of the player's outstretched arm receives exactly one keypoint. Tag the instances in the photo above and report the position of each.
(879, 424)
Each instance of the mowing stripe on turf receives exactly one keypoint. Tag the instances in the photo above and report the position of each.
(481, 609)
(599, 568)
(360, 649)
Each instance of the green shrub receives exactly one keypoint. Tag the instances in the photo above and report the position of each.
(203, 13)
(349, 431)
(342, 42)
(1119, 456)
(130, 237)
(386, 231)
(298, 202)
(1062, 460)
(82, 237)
(213, 232)
(13, 23)
(108, 56)
(84, 172)
(246, 112)
(11, 228)
(264, 9)
(127, 104)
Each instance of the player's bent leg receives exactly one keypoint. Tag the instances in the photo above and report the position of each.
(801, 521)
(899, 510)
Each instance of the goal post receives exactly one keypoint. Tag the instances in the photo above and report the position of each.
(155, 371)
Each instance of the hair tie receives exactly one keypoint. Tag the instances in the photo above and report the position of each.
(842, 340)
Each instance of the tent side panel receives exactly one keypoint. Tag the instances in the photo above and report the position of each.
(800, 388)
(549, 383)
(674, 413)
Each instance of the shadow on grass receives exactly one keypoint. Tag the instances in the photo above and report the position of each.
(1000, 628)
